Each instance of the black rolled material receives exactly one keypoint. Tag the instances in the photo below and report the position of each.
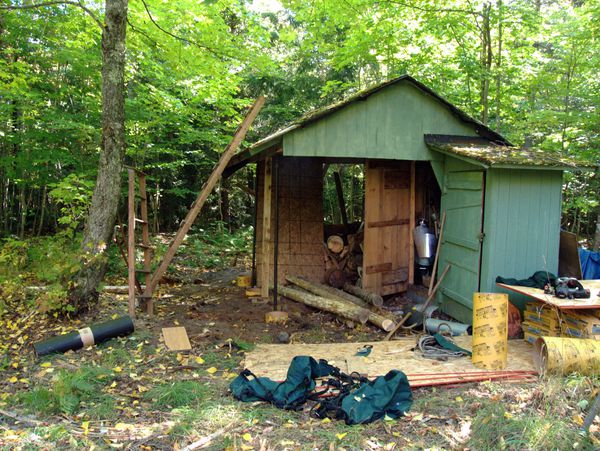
(95, 334)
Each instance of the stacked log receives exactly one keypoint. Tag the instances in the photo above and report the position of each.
(371, 298)
(335, 301)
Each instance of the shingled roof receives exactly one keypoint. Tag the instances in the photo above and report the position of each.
(493, 154)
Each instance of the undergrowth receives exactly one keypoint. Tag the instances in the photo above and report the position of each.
(177, 394)
(71, 392)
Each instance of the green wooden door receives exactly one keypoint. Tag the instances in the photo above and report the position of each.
(462, 200)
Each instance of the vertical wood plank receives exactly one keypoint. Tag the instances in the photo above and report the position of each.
(145, 239)
(266, 228)
(413, 220)
(131, 242)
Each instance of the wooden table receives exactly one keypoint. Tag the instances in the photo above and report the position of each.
(535, 293)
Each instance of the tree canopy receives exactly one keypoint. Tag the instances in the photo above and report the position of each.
(527, 68)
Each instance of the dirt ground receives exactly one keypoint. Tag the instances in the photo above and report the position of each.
(139, 374)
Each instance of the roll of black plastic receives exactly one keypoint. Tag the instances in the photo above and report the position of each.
(88, 336)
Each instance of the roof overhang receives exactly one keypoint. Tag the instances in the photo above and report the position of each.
(489, 154)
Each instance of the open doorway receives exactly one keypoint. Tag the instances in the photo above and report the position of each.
(371, 214)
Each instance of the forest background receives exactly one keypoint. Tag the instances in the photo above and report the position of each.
(526, 68)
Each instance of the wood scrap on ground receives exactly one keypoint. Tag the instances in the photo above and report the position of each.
(273, 361)
(176, 339)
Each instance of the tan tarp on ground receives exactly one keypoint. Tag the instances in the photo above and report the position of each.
(272, 360)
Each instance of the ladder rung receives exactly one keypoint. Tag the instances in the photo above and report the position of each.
(144, 246)
(141, 221)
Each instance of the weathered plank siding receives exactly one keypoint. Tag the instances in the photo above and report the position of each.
(389, 124)
(522, 225)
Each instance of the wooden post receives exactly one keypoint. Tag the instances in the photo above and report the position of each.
(276, 240)
(266, 229)
(131, 242)
(413, 220)
(214, 177)
(254, 225)
(437, 252)
(145, 239)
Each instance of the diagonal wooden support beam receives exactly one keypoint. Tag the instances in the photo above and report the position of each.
(238, 137)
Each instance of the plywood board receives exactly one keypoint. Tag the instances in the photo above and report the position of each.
(272, 360)
(176, 339)
(535, 293)
(569, 264)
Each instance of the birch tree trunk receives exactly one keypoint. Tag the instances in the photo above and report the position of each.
(105, 200)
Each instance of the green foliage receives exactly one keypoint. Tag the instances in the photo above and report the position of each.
(217, 248)
(177, 394)
(73, 195)
(70, 391)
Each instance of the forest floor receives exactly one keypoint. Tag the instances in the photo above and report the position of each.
(132, 393)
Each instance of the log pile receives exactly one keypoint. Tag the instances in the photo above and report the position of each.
(342, 260)
(335, 301)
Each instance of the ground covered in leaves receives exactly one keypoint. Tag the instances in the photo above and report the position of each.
(132, 393)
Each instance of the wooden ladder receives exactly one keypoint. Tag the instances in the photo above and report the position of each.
(131, 244)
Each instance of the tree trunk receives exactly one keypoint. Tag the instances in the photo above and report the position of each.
(105, 200)
(326, 291)
(371, 298)
(343, 309)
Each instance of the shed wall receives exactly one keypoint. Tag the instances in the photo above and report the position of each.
(389, 124)
(522, 225)
(300, 219)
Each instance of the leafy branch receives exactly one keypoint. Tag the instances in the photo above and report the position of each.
(79, 4)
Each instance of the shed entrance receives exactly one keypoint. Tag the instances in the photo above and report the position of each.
(389, 218)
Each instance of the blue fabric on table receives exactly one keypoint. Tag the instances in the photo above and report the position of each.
(590, 264)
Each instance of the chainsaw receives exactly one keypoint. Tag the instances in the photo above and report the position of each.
(567, 288)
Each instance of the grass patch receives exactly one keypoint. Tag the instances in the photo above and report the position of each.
(495, 428)
(177, 394)
(71, 392)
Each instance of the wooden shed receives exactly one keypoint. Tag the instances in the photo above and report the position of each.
(502, 204)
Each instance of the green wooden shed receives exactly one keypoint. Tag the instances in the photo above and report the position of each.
(502, 204)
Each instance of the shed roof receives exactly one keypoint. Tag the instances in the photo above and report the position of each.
(268, 143)
(492, 154)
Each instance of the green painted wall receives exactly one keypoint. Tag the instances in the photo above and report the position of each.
(389, 124)
(462, 200)
(522, 225)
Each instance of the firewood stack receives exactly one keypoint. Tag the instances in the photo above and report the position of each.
(342, 260)
(361, 306)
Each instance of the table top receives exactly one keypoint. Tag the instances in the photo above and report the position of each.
(592, 303)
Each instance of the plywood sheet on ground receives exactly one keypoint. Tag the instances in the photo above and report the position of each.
(272, 360)
(535, 293)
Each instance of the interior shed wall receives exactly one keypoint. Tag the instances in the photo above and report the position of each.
(522, 225)
(300, 219)
(389, 124)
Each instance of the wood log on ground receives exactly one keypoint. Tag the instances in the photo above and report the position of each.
(338, 295)
(343, 309)
(335, 244)
(371, 298)
(326, 291)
